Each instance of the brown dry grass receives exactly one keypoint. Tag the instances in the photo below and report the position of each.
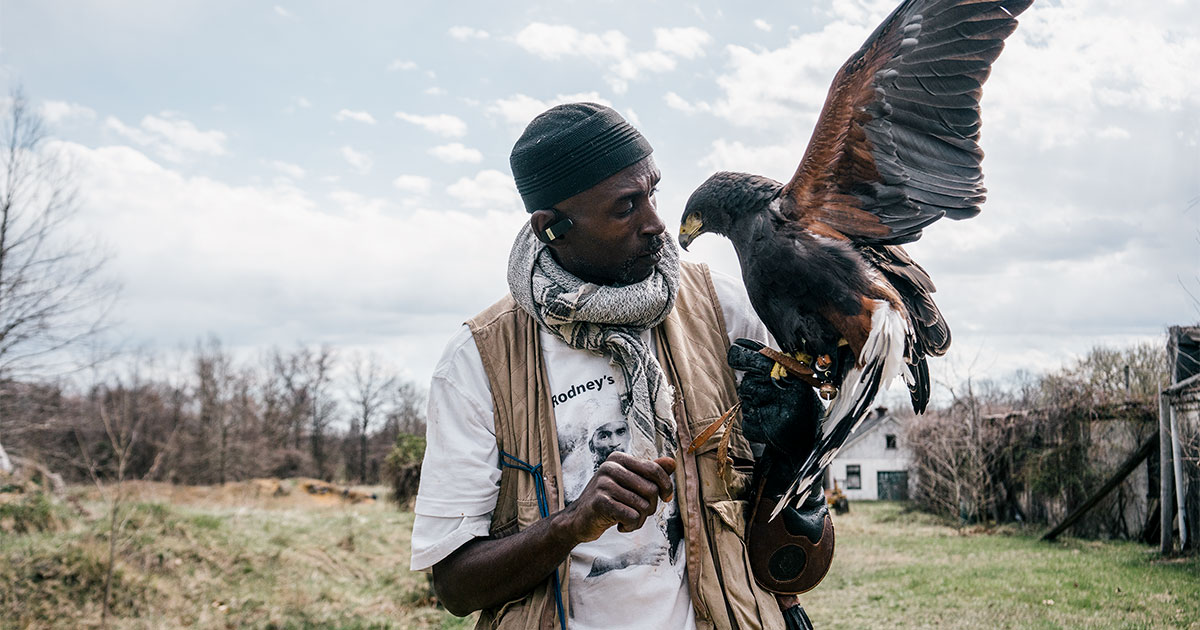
(241, 556)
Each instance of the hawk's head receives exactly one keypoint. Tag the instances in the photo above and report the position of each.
(722, 200)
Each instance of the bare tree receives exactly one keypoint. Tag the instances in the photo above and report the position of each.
(214, 376)
(324, 409)
(296, 405)
(408, 410)
(306, 375)
(120, 407)
(52, 294)
(371, 386)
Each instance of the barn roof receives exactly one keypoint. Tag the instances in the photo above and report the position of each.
(877, 417)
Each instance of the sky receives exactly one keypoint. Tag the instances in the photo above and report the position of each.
(337, 173)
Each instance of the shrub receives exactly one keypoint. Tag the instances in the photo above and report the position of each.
(32, 512)
(403, 467)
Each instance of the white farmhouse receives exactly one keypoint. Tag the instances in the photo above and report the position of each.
(874, 463)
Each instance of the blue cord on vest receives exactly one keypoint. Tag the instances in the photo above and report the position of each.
(539, 487)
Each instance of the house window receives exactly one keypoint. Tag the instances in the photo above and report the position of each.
(854, 477)
(891, 441)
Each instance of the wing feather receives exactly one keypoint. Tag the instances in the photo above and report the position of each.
(896, 145)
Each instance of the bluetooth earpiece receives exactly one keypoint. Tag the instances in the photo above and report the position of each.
(556, 229)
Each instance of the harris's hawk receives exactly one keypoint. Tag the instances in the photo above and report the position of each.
(895, 149)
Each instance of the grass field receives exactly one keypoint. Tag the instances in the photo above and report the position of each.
(197, 558)
(894, 568)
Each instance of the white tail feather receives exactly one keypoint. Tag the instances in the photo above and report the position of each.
(886, 342)
(882, 359)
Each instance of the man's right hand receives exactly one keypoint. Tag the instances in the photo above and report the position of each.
(624, 492)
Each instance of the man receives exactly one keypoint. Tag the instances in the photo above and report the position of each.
(603, 328)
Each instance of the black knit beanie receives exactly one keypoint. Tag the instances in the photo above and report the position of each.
(570, 148)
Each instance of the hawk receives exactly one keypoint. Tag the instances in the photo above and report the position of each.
(896, 147)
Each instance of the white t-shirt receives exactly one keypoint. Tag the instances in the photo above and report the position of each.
(628, 580)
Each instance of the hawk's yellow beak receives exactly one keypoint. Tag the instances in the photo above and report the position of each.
(690, 229)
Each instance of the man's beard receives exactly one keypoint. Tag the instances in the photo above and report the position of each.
(632, 272)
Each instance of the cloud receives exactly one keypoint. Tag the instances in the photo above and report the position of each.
(763, 88)
(415, 184)
(363, 117)
(172, 138)
(465, 33)
(56, 112)
(1068, 66)
(1064, 67)
(346, 269)
(358, 206)
(675, 101)
(519, 109)
(762, 25)
(611, 49)
(440, 124)
(686, 42)
(488, 189)
(1113, 132)
(455, 152)
(550, 41)
(282, 12)
(297, 103)
(402, 64)
(777, 161)
(287, 168)
(361, 162)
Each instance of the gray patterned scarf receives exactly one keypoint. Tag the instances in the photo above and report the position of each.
(607, 321)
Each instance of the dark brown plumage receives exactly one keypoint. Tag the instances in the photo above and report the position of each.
(895, 149)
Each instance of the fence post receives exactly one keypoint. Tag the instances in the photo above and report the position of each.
(1165, 477)
(1180, 478)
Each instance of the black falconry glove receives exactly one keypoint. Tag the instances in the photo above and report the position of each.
(791, 554)
(783, 415)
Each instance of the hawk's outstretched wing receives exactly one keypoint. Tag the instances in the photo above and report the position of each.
(896, 145)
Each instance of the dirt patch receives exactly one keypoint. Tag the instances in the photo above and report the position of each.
(263, 493)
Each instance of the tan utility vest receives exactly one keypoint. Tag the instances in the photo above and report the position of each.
(692, 343)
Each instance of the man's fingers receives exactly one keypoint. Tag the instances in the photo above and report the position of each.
(668, 465)
(634, 479)
(638, 503)
(627, 509)
(656, 471)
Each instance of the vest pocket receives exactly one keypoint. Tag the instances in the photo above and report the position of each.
(527, 512)
(514, 615)
(749, 606)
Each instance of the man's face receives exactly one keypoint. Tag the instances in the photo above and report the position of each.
(617, 237)
(610, 437)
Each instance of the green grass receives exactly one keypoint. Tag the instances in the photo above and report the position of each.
(278, 565)
(899, 569)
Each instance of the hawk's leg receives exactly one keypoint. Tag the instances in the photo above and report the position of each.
(778, 371)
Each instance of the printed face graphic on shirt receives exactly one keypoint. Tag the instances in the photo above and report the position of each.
(607, 439)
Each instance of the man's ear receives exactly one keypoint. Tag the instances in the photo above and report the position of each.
(549, 225)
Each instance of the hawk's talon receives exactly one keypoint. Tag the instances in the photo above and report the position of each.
(778, 372)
